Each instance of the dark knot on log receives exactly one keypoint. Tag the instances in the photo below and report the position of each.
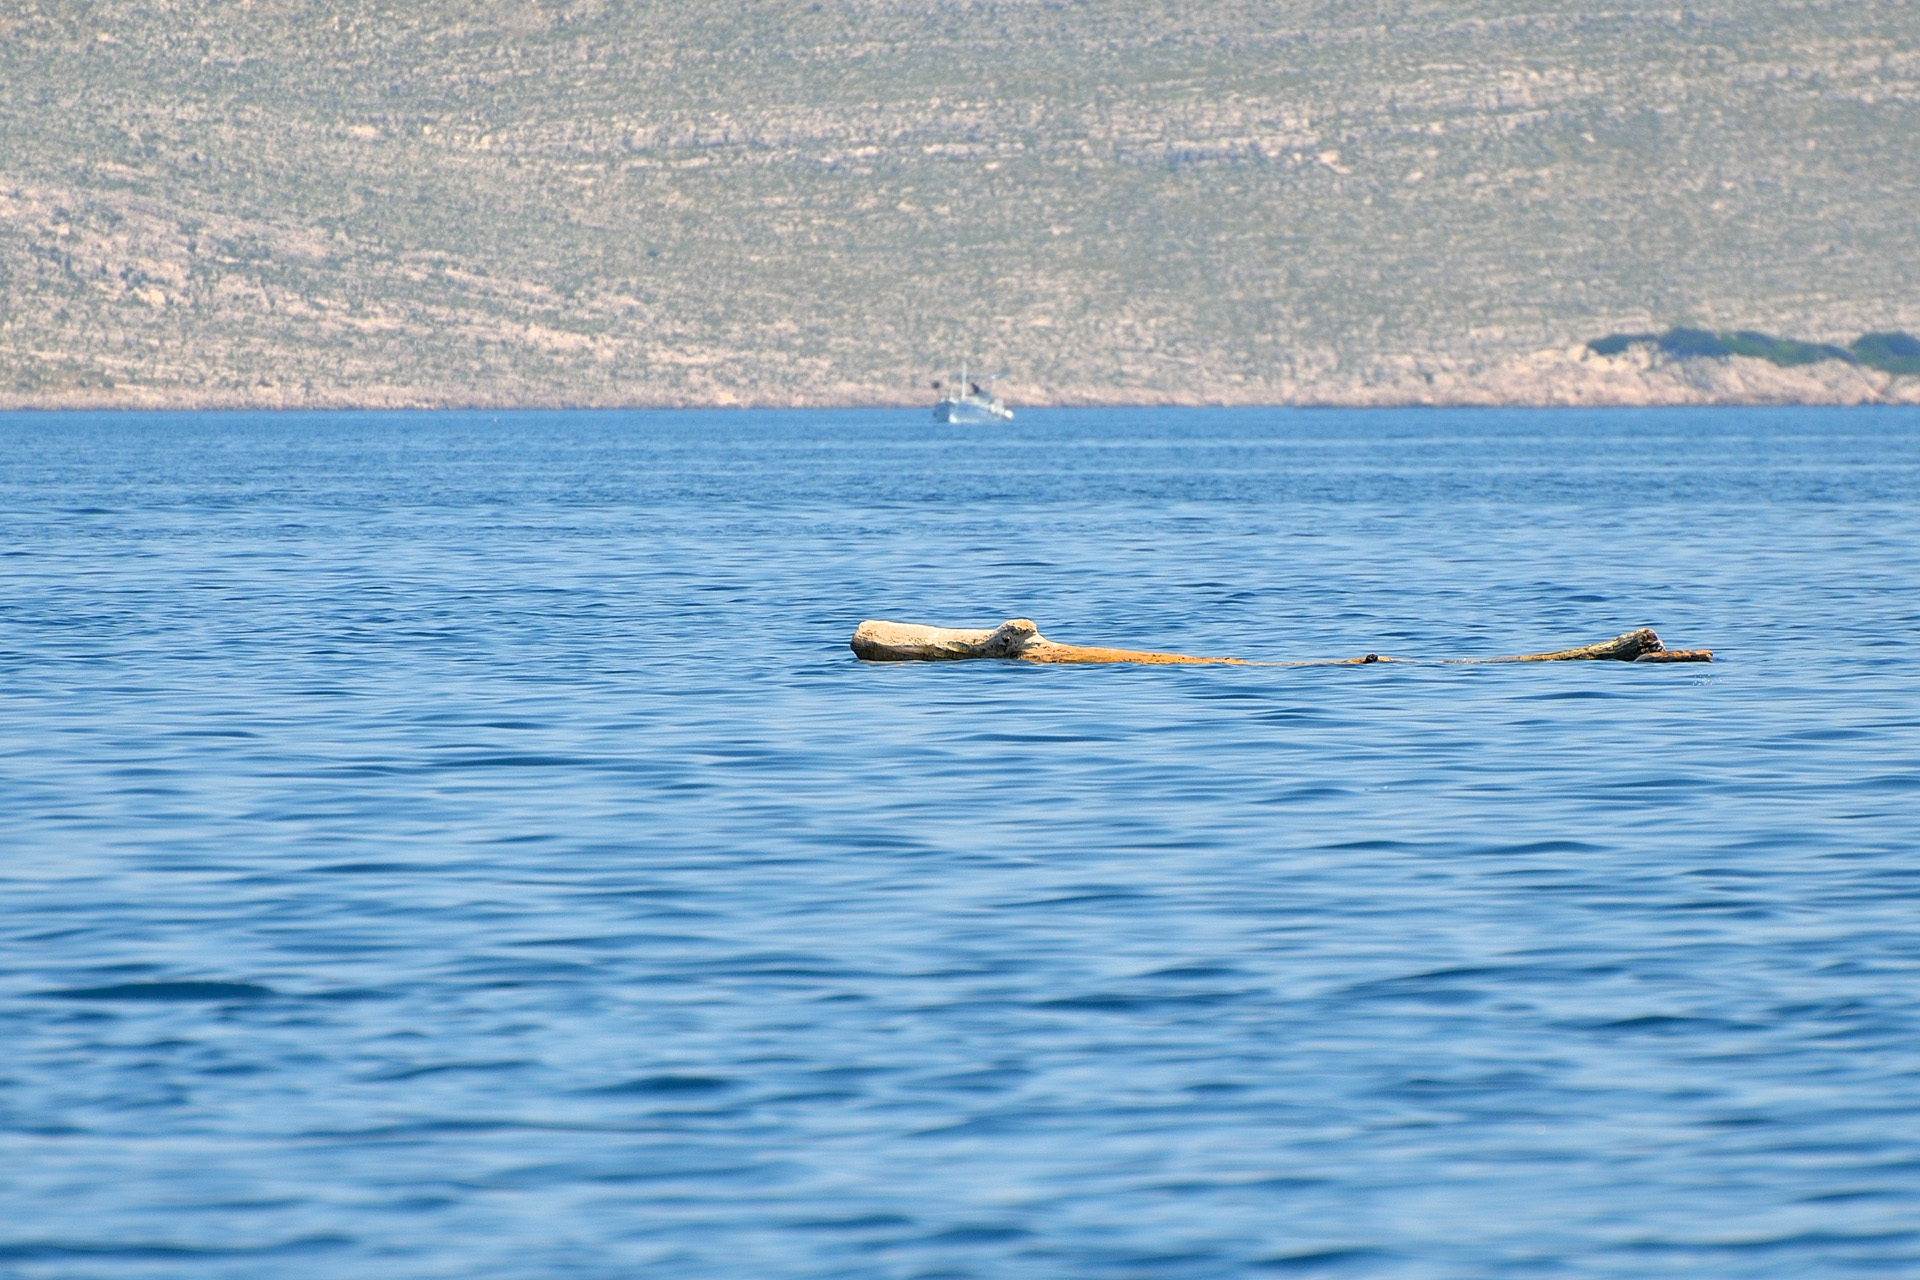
(1010, 638)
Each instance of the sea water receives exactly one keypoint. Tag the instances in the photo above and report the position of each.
(463, 845)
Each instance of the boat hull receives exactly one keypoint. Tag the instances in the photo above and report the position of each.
(969, 411)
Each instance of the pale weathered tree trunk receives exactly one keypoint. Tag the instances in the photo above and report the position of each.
(1019, 640)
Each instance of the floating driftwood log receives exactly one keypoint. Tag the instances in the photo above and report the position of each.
(1018, 640)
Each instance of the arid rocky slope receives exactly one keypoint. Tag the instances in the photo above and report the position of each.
(1184, 201)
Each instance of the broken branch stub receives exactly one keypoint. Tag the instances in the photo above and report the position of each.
(1018, 640)
(1630, 646)
(1677, 655)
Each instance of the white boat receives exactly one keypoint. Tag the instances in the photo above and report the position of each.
(969, 403)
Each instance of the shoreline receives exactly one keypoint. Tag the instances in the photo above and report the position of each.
(25, 409)
(1557, 378)
(1901, 392)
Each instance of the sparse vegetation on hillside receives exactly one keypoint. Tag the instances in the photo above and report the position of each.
(1890, 352)
(1896, 353)
(584, 201)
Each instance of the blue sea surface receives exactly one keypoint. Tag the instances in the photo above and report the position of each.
(463, 845)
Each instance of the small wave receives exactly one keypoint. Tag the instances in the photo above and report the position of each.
(666, 1084)
(1323, 1260)
(54, 1250)
(167, 991)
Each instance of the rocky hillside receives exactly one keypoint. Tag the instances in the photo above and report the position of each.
(511, 201)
